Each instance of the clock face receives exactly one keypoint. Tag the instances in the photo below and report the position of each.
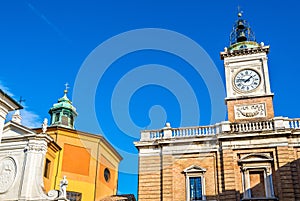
(246, 80)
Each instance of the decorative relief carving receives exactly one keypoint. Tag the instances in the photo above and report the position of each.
(8, 170)
(250, 111)
(36, 148)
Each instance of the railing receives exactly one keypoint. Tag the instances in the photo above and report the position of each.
(180, 132)
(156, 134)
(278, 123)
(194, 131)
(294, 123)
(252, 126)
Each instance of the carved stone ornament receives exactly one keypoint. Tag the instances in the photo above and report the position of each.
(250, 111)
(8, 170)
(36, 148)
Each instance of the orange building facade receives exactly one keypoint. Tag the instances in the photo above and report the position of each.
(89, 161)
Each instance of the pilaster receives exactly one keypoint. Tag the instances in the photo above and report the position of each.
(32, 181)
(228, 175)
(167, 175)
(285, 180)
(150, 182)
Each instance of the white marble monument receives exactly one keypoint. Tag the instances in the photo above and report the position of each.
(22, 155)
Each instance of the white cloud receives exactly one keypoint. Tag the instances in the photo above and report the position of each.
(5, 89)
(29, 118)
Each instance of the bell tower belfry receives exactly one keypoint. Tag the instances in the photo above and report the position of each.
(249, 96)
(63, 113)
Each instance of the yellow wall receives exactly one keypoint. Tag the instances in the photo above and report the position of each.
(83, 159)
(52, 155)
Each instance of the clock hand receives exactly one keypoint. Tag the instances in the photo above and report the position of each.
(239, 80)
(247, 80)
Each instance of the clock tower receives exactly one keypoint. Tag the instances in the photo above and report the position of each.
(249, 97)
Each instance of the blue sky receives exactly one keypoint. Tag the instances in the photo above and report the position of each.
(45, 44)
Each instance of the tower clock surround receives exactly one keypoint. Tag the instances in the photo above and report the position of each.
(249, 96)
(246, 80)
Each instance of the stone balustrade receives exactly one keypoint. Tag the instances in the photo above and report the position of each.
(278, 123)
(252, 126)
(194, 131)
(294, 123)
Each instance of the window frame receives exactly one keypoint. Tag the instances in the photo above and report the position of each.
(47, 168)
(257, 162)
(194, 172)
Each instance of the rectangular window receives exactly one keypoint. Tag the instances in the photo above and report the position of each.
(195, 183)
(74, 196)
(257, 183)
(47, 168)
(195, 188)
(57, 117)
(64, 120)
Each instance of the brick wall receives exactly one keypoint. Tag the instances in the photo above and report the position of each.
(149, 178)
(161, 177)
(267, 100)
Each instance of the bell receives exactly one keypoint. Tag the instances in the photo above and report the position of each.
(240, 24)
(242, 37)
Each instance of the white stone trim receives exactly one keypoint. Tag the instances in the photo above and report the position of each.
(194, 171)
(257, 162)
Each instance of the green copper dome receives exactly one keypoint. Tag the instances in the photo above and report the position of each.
(244, 45)
(63, 113)
(63, 102)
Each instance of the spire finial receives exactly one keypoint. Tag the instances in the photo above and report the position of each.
(240, 12)
(67, 87)
(16, 117)
(241, 31)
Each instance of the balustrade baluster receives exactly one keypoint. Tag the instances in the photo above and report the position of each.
(272, 125)
(293, 124)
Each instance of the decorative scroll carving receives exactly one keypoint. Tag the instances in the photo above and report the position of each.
(250, 111)
(53, 194)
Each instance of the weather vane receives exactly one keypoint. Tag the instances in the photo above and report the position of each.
(21, 100)
(67, 87)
